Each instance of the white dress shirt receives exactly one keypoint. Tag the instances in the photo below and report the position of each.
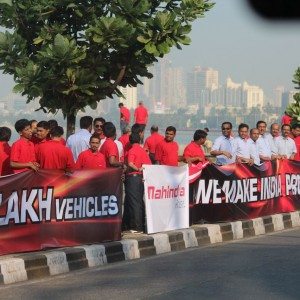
(242, 147)
(284, 146)
(254, 151)
(79, 142)
(223, 143)
(263, 145)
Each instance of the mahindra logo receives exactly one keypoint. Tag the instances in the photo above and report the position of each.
(165, 192)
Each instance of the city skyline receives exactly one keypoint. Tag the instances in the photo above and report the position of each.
(232, 39)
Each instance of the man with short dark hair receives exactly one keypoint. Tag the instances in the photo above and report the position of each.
(53, 155)
(22, 156)
(109, 148)
(141, 115)
(5, 149)
(241, 146)
(285, 147)
(166, 152)
(91, 158)
(79, 141)
(134, 207)
(42, 133)
(193, 152)
(124, 116)
(262, 143)
(224, 145)
(152, 141)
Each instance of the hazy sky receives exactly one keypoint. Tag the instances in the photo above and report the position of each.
(233, 40)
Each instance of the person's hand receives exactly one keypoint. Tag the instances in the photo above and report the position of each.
(227, 154)
(34, 166)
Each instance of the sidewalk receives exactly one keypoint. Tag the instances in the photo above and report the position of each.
(26, 266)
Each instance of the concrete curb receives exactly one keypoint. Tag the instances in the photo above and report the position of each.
(21, 267)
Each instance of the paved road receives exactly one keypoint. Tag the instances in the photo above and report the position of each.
(259, 268)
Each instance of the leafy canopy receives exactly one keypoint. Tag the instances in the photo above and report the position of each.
(293, 109)
(73, 53)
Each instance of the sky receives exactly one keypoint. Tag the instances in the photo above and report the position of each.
(232, 39)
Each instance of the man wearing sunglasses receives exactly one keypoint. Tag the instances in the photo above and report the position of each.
(224, 145)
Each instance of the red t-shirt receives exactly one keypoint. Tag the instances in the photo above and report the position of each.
(138, 156)
(124, 139)
(5, 168)
(286, 119)
(53, 155)
(108, 149)
(297, 142)
(192, 150)
(152, 141)
(22, 151)
(166, 153)
(125, 113)
(89, 160)
(141, 115)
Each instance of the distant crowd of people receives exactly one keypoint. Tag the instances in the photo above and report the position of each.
(95, 146)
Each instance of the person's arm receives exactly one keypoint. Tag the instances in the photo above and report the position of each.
(31, 165)
(221, 152)
(134, 167)
(113, 162)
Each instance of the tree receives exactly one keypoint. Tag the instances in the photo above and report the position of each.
(293, 109)
(72, 54)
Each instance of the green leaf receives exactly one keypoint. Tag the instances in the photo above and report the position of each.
(38, 40)
(8, 2)
(18, 88)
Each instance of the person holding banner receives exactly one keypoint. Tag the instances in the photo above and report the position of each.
(134, 207)
(22, 156)
(5, 149)
(285, 147)
(166, 152)
(242, 146)
(224, 145)
(296, 135)
(53, 154)
(193, 152)
(91, 158)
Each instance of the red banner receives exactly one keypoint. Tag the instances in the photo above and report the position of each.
(237, 191)
(53, 209)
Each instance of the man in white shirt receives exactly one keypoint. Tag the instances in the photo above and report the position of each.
(284, 146)
(79, 141)
(223, 146)
(253, 146)
(242, 146)
(262, 142)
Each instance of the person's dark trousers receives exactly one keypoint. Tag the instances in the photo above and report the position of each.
(134, 207)
(123, 125)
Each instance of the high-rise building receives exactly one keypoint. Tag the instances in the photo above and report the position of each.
(130, 97)
(279, 90)
(253, 96)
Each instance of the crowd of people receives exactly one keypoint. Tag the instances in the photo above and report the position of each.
(95, 146)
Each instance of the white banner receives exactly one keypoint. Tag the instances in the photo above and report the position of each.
(166, 197)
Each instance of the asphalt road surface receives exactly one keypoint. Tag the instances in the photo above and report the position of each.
(267, 267)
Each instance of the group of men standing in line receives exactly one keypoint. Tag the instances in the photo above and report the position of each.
(95, 146)
(257, 146)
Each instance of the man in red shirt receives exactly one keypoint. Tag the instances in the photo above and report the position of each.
(53, 155)
(124, 138)
(166, 152)
(42, 133)
(286, 119)
(152, 141)
(296, 134)
(124, 116)
(134, 207)
(91, 158)
(141, 115)
(5, 149)
(53, 123)
(22, 156)
(193, 152)
(109, 148)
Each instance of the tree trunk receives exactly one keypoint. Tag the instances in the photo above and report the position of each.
(71, 121)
